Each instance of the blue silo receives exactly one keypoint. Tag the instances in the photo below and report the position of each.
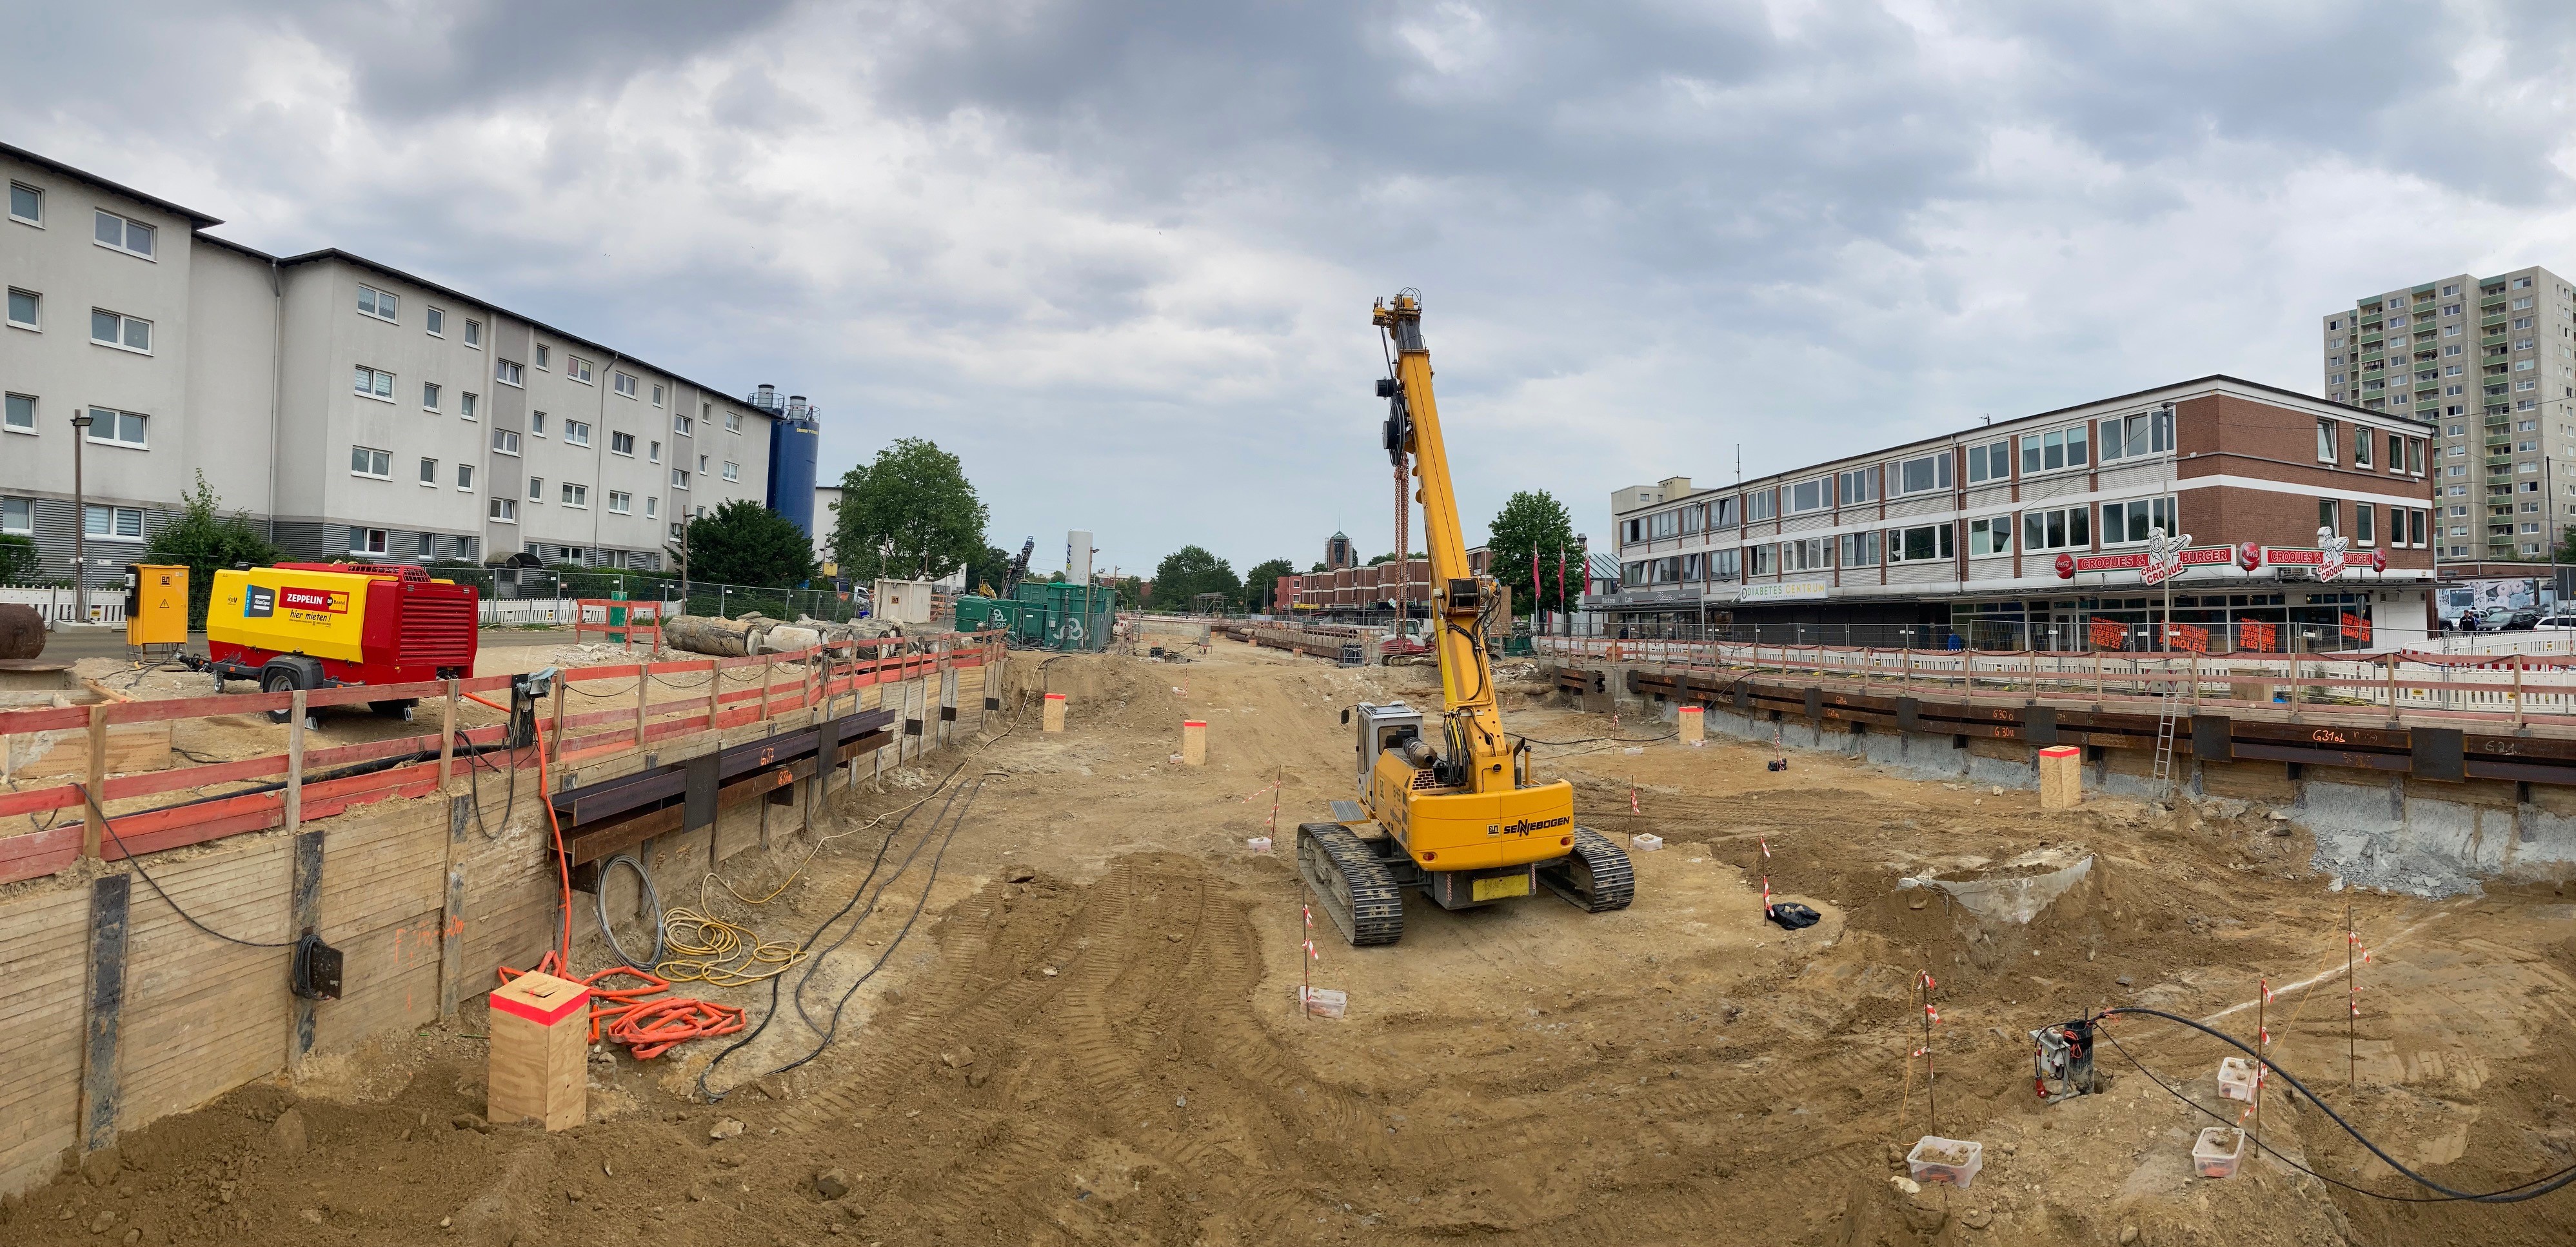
(795, 446)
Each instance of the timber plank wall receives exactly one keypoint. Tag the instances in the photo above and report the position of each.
(2448, 754)
(193, 1017)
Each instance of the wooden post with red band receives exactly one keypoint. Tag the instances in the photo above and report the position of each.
(1053, 718)
(1193, 742)
(2061, 777)
(540, 1030)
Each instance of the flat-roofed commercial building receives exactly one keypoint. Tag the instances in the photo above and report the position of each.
(354, 410)
(2025, 532)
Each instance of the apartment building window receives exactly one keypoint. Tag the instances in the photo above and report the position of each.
(367, 540)
(622, 444)
(26, 203)
(1990, 536)
(679, 478)
(536, 424)
(1763, 560)
(1726, 564)
(371, 462)
(17, 515)
(652, 506)
(465, 477)
(577, 369)
(19, 413)
(429, 473)
(373, 383)
(2064, 528)
(2326, 441)
(576, 433)
(657, 396)
(545, 356)
(1919, 544)
(576, 495)
(2146, 433)
(119, 428)
(536, 489)
(733, 422)
(1856, 486)
(429, 395)
(23, 308)
(1860, 549)
(505, 442)
(702, 465)
(1813, 554)
(508, 372)
(1635, 531)
(1807, 496)
(505, 511)
(681, 425)
(113, 523)
(654, 453)
(1990, 462)
(1691, 519)
(126, 333)
(377, 303)
(474, 333)
(624, 383)
(2057, 448)
(732, 470)
(124, 234)
(2128, 523)
(2417, 537)
(2364, 523)
(1721, 513)
(620, 502)
(1761, 504)
(436, 322)
(2327, 517)
(2360, 446)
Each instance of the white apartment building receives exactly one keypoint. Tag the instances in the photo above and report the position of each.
(354, 410)
(2492, 362)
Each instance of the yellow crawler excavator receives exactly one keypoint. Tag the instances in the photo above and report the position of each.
(1446, 807)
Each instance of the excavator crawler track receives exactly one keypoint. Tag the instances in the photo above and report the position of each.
(1596, 878)
(1356, 890)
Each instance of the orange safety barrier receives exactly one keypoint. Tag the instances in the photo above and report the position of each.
(592, 615)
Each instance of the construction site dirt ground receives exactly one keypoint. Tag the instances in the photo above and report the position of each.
(1090, 1032)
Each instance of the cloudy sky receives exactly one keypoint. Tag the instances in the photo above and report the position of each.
(1120, 256)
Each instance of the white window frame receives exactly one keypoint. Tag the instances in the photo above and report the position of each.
(545, 357)
(1944, 538)
(509, 372)
(2329, 440)
(371, 471)
(383, 305)
(430, 394)
(503, 511)
(505, 442)
(613, 436)
(428, 473)
(1762, 504)
(2165, 509)
(25, 508)
(118, 428)
(733, 422)
(625, 383)
(465, 405)
(657, 395)
(36, 297)
(115, 515)
(652, 507)
(375, 383)
(2069, 519)
(655, 455)
(127, 224)
(465, 478)
(1982, 458)
(577, 369)
(474, 334)
(1859, 549)
(2036, 443)
(536, 424)
(11, 399)
(1939, 469)
(732, 471)
(679, 478)
(1858, 486)
(124, 330)
(2153, 430)
(38, 193)
(575, 496)
(536, 491)
(620, 502)
(1823, 487)
(434, 322)
(576, 432)
(365, 540)
(1994, 534)
(682, 426)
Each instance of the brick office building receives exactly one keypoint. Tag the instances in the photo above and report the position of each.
(1961, 535)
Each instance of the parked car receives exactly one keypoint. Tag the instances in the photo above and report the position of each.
(2558, 621)
(2520, 621)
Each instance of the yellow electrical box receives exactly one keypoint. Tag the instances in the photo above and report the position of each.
(156, 604)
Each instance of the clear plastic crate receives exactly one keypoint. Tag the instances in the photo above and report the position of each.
(1324, 1002)
(1955, 1161)
(1258, 844)
(2236, 1078)
(2214, 1156)
(1645, 842)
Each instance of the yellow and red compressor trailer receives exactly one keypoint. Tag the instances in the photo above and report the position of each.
(328, 625)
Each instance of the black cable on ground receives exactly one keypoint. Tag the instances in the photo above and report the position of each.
(2531, 1189)
(109, 826)
(644, 893)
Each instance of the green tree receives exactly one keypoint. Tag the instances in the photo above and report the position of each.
(1535, 526)
(1261, 584)
(910, 515)
(205, 541)
(1190, 571)
(745, 543)
(17, 559)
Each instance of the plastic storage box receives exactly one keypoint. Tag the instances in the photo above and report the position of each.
(2236, 1078)
(1645, 842)
(1324, 1002)
(2214, 1156)
(1955, 1161)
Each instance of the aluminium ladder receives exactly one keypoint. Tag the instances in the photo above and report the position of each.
(2169, 707)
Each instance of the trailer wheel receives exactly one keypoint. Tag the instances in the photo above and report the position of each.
(278, 679)
(286, 674)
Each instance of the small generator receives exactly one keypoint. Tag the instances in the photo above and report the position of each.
(2062, 1055)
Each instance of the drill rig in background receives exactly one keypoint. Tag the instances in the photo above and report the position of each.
(1446, 805)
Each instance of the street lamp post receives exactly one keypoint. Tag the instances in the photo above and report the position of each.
(80, 519)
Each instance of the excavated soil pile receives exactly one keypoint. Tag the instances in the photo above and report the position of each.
(1090, 1035)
